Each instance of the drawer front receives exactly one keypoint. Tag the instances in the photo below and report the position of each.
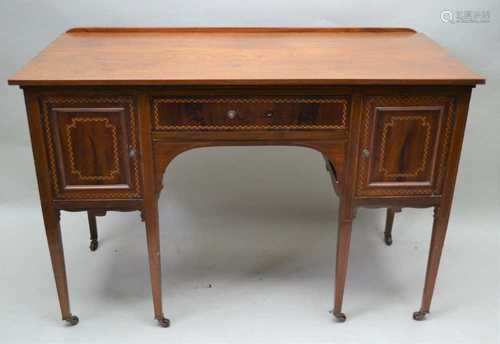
(92, 147)
(263, 113)
(404, 145)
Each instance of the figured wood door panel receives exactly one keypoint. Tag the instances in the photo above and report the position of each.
(92, 145)
(404, 145)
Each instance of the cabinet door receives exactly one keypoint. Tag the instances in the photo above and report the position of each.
(404, 145)
(92, 144)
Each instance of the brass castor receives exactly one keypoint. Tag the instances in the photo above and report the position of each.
(72, 320)
(339, 316)
(419, 316)
(94, 244)
(163, 322)
(388, 239)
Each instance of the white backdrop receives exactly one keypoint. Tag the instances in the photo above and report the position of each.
(257, 224)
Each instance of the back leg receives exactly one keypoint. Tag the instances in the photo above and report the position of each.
(94, 244)
(92, 214)
(388, 224)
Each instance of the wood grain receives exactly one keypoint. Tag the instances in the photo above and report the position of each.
(250, 113)
(244, 56)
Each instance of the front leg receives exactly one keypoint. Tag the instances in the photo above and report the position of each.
(343, 242)
(153, 239)
(54, 240)
(335, 157)
(436, 247)
(154, 164)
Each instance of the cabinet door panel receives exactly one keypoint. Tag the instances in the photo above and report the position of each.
(404, 145)
(92, 147)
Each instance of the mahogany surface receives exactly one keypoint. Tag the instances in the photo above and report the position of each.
(109, 109)
(243, 56)
(272, 113)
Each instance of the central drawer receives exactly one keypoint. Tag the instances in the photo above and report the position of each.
(255, 113)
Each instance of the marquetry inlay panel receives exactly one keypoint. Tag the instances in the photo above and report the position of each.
(404, 145)
(259, 113)
(89, 141)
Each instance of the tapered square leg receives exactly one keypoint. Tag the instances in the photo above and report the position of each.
(334, 155)
(54, 240)
(343, 242)
(153, 240)
(439, 229)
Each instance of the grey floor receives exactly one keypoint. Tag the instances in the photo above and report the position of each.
(248, 246)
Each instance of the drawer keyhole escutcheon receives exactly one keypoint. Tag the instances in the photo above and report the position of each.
(366, 153)
(269, 114)
(132, 152)
(231, 114)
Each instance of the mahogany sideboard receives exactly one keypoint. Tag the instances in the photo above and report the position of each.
(109, 108)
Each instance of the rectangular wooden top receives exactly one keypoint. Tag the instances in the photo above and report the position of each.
(244, 56)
